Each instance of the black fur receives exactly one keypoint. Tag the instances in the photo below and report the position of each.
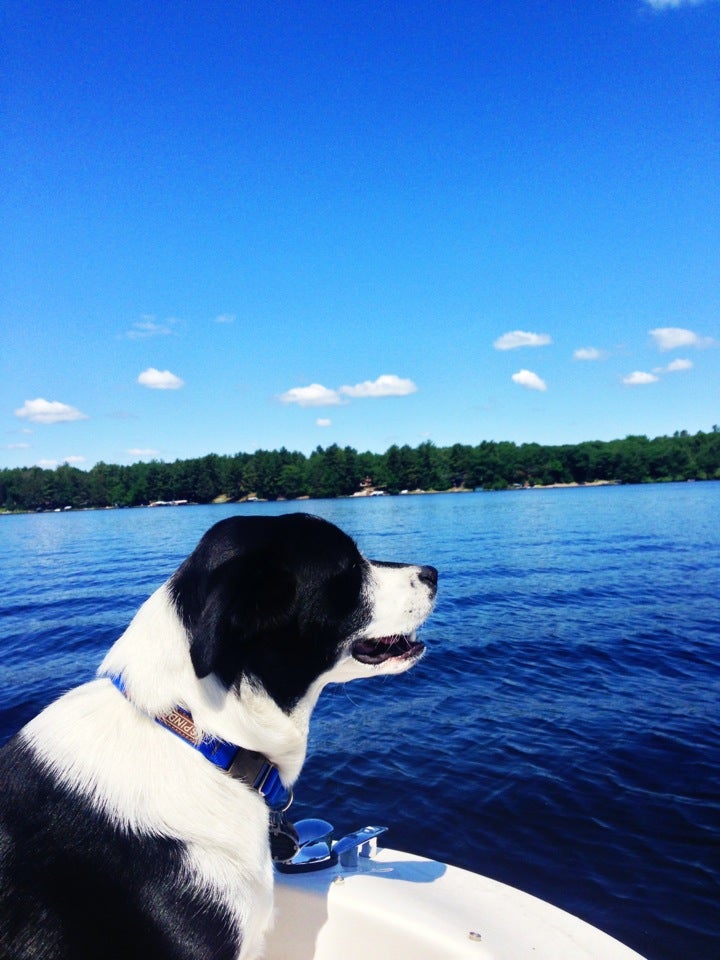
(101, 892)
(271, 603)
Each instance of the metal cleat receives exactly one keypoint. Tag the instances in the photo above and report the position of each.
(360, 843)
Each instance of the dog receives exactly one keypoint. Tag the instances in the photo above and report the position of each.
(135, 810)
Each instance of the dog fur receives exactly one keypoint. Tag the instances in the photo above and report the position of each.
(117, 839)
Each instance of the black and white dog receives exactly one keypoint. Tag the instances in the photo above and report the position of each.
(134, 811)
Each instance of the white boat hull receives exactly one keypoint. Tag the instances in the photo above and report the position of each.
(397, 906)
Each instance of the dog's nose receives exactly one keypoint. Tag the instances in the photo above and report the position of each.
(428, 575)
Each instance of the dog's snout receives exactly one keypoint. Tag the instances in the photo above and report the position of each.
(429, 576)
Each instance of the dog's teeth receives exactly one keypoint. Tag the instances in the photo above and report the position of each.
(378, 649)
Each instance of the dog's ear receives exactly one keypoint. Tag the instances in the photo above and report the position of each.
(242, 599)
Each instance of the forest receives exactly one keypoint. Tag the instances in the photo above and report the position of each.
(336, 471)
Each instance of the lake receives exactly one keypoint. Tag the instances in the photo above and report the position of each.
(562, 733)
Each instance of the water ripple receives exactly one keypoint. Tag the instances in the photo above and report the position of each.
(562, 734)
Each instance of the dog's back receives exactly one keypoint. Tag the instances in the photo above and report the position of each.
(75, 884)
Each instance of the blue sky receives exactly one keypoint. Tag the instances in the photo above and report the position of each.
(230, 226)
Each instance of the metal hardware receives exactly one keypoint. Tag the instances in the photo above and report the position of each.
(360, 843)
(314, 830)
(317, 850)
(284, 844)
(315, 847)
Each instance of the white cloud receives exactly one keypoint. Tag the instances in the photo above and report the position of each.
(74, 459)
(588, 353)
(47, 464)
(225, 318)
(670, 338)
(316, 395)
(526, 378)
(48, 411)
(638, 378)
(160, 379)
(673, 4)
(521, 338)
(323, 422)
(148, 326)
(676, 365)
(142, 452)
(387, 385)
(18, 446)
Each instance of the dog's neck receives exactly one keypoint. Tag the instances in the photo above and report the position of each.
(153, 658)
(251, 767)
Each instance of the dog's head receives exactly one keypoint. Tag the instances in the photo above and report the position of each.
(286, 601)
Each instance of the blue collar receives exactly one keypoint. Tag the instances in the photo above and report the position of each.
(247, 765)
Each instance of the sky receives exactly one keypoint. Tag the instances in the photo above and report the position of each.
(231, 226)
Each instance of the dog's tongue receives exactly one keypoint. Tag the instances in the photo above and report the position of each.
(379, 649)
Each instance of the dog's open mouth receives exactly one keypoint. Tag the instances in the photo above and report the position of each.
(380, 649)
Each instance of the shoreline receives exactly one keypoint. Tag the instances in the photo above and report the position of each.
(223, 499)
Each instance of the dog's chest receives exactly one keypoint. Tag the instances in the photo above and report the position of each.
(242, 887)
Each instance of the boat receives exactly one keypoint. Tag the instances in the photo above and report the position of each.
(353, 900)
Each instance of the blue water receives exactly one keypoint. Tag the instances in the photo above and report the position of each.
(562, 733)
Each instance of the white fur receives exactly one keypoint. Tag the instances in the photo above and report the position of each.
(400, 600)
(147, 780)
(109, 748)
(159, 675)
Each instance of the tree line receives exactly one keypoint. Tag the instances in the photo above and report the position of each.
(341, 471)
